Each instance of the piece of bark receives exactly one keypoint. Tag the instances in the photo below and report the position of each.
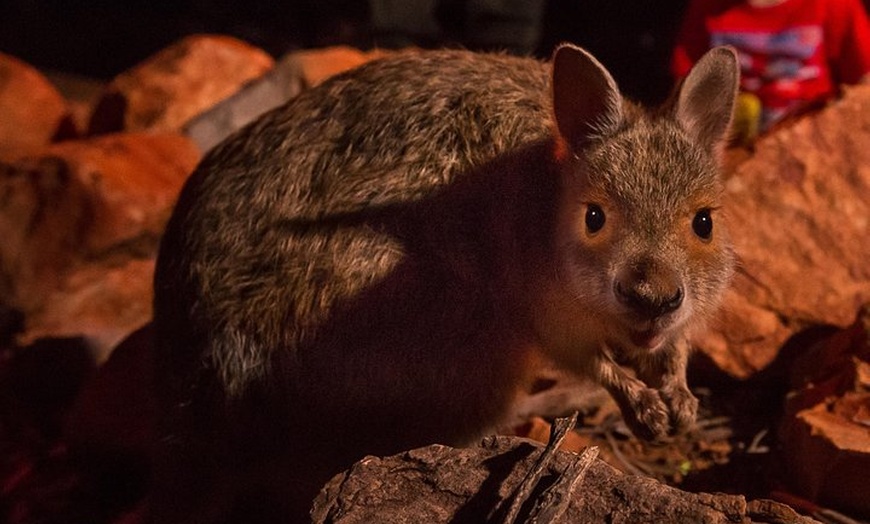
(168, 89)
(799, 215)
(538, 429)
(32, 111)
(442, 484)
(553, 502)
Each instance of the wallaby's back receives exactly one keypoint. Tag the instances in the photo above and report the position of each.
(230, 287)
(389, 132)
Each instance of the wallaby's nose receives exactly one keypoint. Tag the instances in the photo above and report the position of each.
(648, 304)
(647, 294)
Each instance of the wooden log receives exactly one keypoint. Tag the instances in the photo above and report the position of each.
(484, 484)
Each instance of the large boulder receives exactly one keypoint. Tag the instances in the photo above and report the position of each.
(483, 483)
(33, 111)
(166, 90)
(80, 223)
(825, 433)
(799, 213)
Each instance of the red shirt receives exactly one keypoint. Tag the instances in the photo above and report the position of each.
(792, 53)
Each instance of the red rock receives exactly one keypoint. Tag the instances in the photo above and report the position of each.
(829, 452)
(80, 223)
(168, 89)
(101, 302)
(33, 112)
(799, 212)
(825, 435)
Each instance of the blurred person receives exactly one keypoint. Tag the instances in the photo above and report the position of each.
(794, 54)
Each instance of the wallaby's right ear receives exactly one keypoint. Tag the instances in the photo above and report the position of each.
(586, 102)
(705, 104)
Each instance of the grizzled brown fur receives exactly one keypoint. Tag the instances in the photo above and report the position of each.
(385, 261)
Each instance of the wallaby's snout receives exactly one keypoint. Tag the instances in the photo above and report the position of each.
(649, 289)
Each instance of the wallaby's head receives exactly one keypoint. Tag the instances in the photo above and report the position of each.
(640, 232)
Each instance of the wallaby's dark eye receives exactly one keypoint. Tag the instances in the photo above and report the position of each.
(702, 224)
(594, 218)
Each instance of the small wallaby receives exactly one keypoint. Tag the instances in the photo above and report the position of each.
(385, 261)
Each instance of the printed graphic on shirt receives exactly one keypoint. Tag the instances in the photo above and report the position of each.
(773, 64)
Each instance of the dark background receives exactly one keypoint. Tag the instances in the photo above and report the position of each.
(101, 38)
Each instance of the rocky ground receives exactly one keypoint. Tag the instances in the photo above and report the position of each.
(88, 176)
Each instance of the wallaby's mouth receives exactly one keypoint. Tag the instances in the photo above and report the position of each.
(649, 334)
(646, 331)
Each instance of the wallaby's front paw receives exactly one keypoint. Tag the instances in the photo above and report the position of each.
(682, 406)
(647, 416)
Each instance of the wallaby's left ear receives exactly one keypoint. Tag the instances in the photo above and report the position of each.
(705, 104)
